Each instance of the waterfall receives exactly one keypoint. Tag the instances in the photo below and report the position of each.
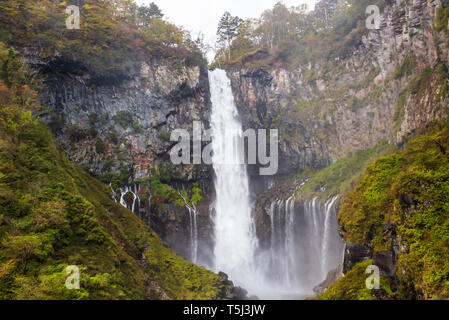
(123, 191)
(283, 263)
(289, 240)
(114, 194)
(193, 218)
(235, 240)
(328, 212)
(136, 199)
(193, 234)
(304, 241)
(305, 245)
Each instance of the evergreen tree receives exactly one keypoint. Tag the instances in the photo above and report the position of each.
(228, 30)
(325, 10)
(147, 14)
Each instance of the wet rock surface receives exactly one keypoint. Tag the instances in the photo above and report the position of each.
(354, 106)
(332, 278)
(120, 130)
(231, 292)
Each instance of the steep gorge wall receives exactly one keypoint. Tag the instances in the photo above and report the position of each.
(326, 109)
(120, 131)
(392, 85)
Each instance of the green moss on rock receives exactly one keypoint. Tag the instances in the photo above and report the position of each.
(353, 286)
(409, 190)
(54, 214)
(342, 176)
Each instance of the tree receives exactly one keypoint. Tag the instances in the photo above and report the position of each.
(23, 248)
(202, 45)
(228, 30)
(245, 39)
(147, 14)
(325, 11)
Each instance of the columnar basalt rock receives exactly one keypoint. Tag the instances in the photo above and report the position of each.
(133, 118)
(323, 117)
(120, 130)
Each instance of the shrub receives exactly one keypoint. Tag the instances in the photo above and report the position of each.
(406, 67)
(124, 119)
(23, 248)
(100, 146)
(75, 133)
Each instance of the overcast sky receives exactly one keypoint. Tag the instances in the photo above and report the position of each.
(203, 15)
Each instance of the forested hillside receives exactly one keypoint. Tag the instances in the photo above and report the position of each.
(113, 36)
(86, 180)
(291, 36)
(53, 213)
(362, 116)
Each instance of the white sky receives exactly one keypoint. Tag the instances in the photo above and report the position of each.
(203, 15)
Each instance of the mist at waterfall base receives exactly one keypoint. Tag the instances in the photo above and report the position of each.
(305, 244)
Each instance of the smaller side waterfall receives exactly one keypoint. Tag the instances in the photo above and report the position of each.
(305, 244)
(150, 197)
(123, 192)
(130, 199)
(329, 210)
(193, 218)
(136, 200)
(194, 234)
(114, 194)
(282, 251)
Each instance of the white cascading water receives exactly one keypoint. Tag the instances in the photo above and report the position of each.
(193, 213)
(235, 240)
(193, 218)
(305, 244)
(136, 199)
(114, 194)
(328, 213)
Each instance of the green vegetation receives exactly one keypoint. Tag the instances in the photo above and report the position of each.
(291, 37)
(406, 68)
(410, 190)
(75, 133)
(115, 179)
(126, 120)
(164, 193)
(53, 214)
(113, 36)
(420, 82)
(353, 286)
(100, 146)
(442, 18)
(342, 176)
(427, 82)
(399, 111)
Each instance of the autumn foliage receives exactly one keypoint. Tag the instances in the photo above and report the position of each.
(114, 36)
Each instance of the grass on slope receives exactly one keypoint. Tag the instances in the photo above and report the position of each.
(353, 286)
(410, 190)
(342, 176)
(53, 214)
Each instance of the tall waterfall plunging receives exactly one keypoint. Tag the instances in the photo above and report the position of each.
(235, 240)
(304, 244)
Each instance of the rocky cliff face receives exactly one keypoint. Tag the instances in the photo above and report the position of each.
(133, 119)
(328, 108)
(393, 84)
(120, 131)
